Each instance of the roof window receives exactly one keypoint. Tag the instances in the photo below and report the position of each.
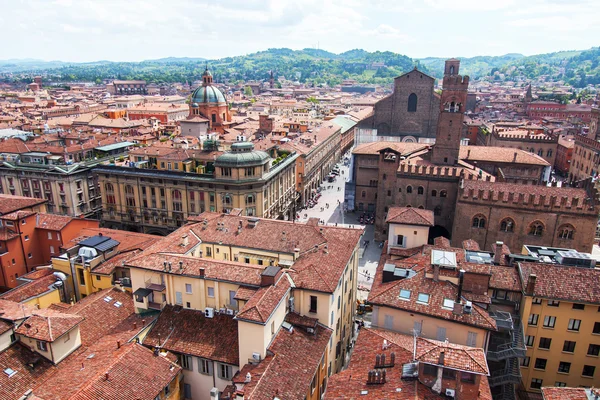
(423, 298)
(10, 372)
(404, 294)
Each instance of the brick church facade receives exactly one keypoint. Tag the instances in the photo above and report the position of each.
(410, 112)
(461, 195)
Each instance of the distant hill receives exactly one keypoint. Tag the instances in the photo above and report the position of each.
(317, 67)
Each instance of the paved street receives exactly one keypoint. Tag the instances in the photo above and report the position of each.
(333, 195)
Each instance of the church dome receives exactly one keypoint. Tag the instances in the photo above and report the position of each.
(208, 94)
(242, 154)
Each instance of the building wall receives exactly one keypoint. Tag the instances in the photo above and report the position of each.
(200, 383)
(545, 148)
(585, 160)
(45, 300)
(404, 322)
(559, 334)
(5, 339)
(13, 262)
(415, 235)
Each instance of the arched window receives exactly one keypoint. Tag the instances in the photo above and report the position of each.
(421, 207)
(540, 152)
(109, 188)
(452, 70)
(507, 225)
(536, 228)
(420, 190)
(443, 193)
(177, 206)
(363, 194)
(412, 103)
(129, 196)
(433, 193)
(409, 189)
(176, 195)
(478, 221)
(437, 210)
(566, 232)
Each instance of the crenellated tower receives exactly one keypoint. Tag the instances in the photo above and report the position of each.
(452, 105)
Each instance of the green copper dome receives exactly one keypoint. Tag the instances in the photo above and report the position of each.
(208, 94)
(242, 154)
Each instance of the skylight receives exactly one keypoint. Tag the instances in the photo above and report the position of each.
(118, 304)
(423, 298)
(10, 372)
(448, 303)
(404, 294)
(445, 259)
(107, 299)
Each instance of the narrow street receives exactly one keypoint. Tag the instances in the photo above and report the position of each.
(330, 209)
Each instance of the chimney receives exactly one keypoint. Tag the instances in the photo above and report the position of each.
(498, 253)
(296, 253)
(170, 266)
(515, 157)
(531, 283)
(436, 272)
(134, 325)
(468, 153)
(442, 356)
(461, 277)
(200, 254)
(118, 344)
(180, 266)
(106, 376)
(201, 272)
(184, 240)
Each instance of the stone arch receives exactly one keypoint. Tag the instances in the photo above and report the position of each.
(412, 103)
(507, 225)
(437, 231)
(566, 231)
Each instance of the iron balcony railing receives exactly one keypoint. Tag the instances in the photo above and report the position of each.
(511, 373)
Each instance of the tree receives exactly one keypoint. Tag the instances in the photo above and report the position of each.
(248, 91)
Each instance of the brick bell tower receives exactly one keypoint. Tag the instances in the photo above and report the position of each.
(452, 106)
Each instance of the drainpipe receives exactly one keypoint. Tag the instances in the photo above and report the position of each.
(74, 277)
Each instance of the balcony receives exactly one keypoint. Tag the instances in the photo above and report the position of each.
(507, 345)
(510, 374)
(156, 306)
(504, 320)
(156, 287)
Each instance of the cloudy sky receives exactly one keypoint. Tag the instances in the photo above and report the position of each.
(131, 30)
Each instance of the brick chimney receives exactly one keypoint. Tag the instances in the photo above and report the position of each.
(531, 283)
(498, 256)
(201, 272)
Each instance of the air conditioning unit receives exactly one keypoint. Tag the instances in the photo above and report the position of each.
(468, 307)
(256, 356)
(450, 393)
(126, 281)
(214, 393)
(229, 311)
(209, 312)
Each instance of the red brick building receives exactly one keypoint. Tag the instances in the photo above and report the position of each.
(550, 109)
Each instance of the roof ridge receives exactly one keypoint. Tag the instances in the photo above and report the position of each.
(469, 351)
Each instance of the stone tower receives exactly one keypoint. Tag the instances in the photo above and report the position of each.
(272, 81)
(452, 105)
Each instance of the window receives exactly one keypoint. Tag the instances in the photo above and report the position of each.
(187, 391)
(536, 383)
(205, 366)
(26, 237)
(536, 228)
(51, 249)
(467, 377)
(560, 384)
(423, 298)
(478, 221)
(566, 232)
(588, 371)
(313, 304)
(188, 288)
(549, 321)
(596, 327)
(569, 346)
(574, 325)
(420, 190)
(540, 363)
(525, 361)
(50, 235)
(443, 193)
(412, 103)
(593, 350)
(225, 371)
(211, 291)
(404, 294)
(81, 276)
(409, 189)
(533, 319)
(553, 303)
(437, 210)
(448, 303)
(42, 346)
(578, 306)
(507, 225)
(564, 367)
(430, 370)
(208, 252)
(536, 300)
(186, 362)
(472, 339)
(401, 240)
(545, 343)
(529, 340)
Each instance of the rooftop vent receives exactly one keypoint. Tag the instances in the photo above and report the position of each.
(445, 259)
(252, 222)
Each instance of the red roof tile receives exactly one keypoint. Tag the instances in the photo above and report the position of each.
(31, 289)
(410, 216)
(52, 222)
(464, 358)
(10, 203)
(189, 332)
(19, 358)
(565, 393)
(48, 325)
(260, 306)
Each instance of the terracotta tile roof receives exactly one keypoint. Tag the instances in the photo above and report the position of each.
(12, 311)
(52, 222)
(19, 358)
(189, 332)
(7, 234)
(134, 372)
(260, 306)
(244, 293)
(375, 147)
(471, 245)
(103, 317)
(31, 289)
(505, 278)
(494, 154)
(289, 371)
(576, 284)
(17, 215)
(127, 240)
(5, 326)
(464, 358)
(48, 325)
(301, 320)
(410, 216)
(108, 267)
(38, 273)
(565, 393)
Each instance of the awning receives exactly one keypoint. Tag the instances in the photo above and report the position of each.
(142, 292)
